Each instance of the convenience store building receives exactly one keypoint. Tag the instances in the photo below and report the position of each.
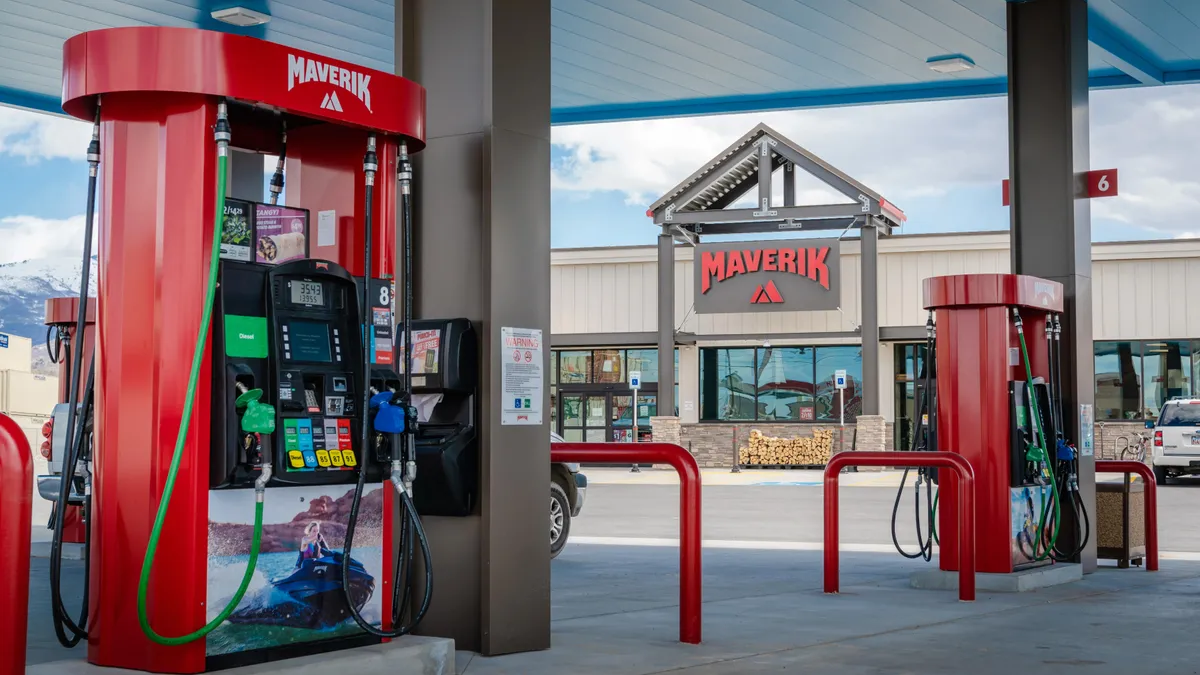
(773, 370)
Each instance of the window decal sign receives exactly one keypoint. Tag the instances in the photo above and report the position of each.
(768, 276)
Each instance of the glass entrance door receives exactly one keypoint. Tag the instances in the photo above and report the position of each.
(910, 365)
(585, 417)
(606, 417)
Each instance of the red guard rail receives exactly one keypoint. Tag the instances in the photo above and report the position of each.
(689, 510)
(966, 500)
(16, 515)
(1151, 492)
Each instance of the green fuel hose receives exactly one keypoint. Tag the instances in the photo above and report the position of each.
(1044, 458)
(222, 137)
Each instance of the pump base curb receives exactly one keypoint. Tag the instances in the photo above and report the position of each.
(1016, 582)
(409, 655)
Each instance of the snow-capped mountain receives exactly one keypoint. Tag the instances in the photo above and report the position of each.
(25, 286)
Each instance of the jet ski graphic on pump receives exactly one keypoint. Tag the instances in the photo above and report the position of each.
(296, 595)
(311, 596)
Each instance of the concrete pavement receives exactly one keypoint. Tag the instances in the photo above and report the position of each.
(615, 596)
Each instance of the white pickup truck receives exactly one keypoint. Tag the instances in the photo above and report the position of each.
(1177, 439)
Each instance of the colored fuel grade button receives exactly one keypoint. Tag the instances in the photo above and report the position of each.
(350, 459)
(335, 458)
(310, 459)
(323, 458)
(296, 459)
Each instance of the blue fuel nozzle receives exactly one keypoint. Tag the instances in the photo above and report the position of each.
(389, 419)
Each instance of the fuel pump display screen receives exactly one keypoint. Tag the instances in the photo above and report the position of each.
(308, 341)
(309, 293)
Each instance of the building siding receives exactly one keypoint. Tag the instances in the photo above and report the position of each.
(614, 290)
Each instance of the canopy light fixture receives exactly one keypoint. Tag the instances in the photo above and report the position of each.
(240, 16)
(951, 63)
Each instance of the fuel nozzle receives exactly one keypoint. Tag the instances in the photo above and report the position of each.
(259, 417)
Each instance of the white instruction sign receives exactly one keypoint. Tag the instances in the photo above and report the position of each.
(326, 228)
(1086, 431)
(522, 381)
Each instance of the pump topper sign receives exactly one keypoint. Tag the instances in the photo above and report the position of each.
(768, 276)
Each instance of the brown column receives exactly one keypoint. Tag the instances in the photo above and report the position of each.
(482, 247)
(1051, 228)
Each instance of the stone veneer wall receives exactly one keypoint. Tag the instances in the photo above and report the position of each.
(712, 443)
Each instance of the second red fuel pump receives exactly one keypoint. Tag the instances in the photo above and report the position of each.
(998, 402)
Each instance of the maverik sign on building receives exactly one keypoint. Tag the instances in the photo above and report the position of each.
(767, 276)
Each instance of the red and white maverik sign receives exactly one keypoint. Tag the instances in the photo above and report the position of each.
(767, 276)
(806, 262)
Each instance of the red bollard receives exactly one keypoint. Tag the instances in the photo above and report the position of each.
(1147, 474)
(16, 515)
(966, 496)
(689, 511)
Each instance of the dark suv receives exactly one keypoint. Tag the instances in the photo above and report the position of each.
(568, 487)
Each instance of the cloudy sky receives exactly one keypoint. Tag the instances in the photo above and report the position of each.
(942, 162)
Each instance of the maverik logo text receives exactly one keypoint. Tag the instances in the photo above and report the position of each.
(303, 70)
(809, 262)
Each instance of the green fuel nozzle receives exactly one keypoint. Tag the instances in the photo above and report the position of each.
(259, 417)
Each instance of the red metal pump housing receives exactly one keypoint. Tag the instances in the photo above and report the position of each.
(158, 91)
(978, 358)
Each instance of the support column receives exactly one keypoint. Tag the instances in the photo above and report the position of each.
(869, 262)
(1051, 229)
(482, 249)
(666, 324)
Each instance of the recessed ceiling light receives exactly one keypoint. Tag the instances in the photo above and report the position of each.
(240, 16)
(953, 63)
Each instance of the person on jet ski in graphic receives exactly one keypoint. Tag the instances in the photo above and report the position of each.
(313, 545)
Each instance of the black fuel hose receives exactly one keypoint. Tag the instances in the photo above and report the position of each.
(68, 631)
(411, 522)
(922, 440)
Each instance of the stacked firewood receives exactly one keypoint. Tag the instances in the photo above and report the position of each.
(806, 450)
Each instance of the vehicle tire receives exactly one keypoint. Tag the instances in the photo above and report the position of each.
(1160, 475)
(560, 519)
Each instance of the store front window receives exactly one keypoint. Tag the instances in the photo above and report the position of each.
(1135, 378)
(1167, 373)
(785, 384)
(590, 396)
(909, 371)
(574, 367)
(1118, 380)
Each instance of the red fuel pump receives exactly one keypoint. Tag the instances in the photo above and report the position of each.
(247, 416)
(999, 405)
(61, 343)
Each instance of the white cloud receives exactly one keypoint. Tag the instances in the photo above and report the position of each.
(29, 237)
(37, 136)
(914, 150)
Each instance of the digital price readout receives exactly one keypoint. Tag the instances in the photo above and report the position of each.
(309, 293)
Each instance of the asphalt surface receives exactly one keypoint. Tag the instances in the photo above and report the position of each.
(794, 513)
